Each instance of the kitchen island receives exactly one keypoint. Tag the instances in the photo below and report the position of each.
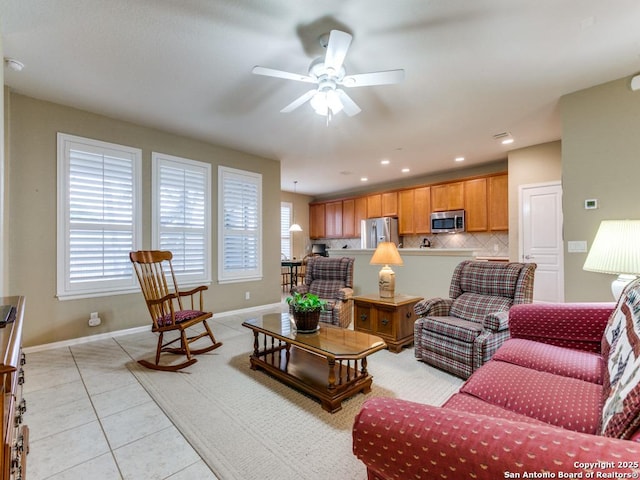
(426, 272)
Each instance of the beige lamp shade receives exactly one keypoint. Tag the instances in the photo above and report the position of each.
(616, 250)
(386, 254)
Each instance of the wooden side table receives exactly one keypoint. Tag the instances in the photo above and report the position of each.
(391, 319)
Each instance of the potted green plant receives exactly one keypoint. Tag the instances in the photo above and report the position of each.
(306, 309)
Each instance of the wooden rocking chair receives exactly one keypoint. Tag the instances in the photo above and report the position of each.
(150, 268)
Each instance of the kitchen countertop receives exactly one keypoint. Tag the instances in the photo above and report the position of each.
(470, 252)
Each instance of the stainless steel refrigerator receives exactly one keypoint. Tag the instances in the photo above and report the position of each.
(376, 230)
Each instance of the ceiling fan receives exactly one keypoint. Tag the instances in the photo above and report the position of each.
(328, 74)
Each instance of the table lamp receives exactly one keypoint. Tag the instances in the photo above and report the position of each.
(386, 254)
(616, 250)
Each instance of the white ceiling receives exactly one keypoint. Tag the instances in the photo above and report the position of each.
(474, 69)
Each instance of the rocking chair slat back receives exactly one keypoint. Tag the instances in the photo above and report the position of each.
(152, 268)
(157, 279)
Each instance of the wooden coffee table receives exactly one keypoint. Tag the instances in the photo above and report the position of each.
(330, 364)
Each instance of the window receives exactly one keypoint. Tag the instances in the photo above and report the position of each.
(240, 225)
(285, 222)
(98, 217)
(181, 191)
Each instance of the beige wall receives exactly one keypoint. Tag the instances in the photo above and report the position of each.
(32, 219)
(3, 191)
(601, 160)
(537, 164)
(301, 242)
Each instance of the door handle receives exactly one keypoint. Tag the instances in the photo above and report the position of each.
(529, 257)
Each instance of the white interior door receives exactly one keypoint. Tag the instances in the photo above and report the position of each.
(541, 238)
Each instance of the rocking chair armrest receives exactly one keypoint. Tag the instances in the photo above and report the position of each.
(192, 294)
(193, 291)
(170, 296)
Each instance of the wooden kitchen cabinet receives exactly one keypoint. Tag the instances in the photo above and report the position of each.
(485, 200)
(414, 211)
(406, 207)
(389, 204)
(360, 214)
(382, 205)
(374, 205)
(422, 210)
(448, 196)
(333, 219)
(475, 205)
(354, 210)
(348, 218)
(317, 220)
(498, 202)
(391, 319)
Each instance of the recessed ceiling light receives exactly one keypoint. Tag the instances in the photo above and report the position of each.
(507, 141)
(364, 179)
(385, 162)
(406, 170)
(459, 159)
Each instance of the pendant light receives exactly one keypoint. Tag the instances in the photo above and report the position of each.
(294, 226)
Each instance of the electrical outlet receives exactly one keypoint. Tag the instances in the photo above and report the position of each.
(94, 319)
(247, 295)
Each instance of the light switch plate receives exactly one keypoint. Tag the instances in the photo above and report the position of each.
(577, 246)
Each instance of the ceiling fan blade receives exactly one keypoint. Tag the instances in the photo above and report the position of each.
(337, 48)
(386, 77)
(299, 101)
(349, 106)
(270, 72)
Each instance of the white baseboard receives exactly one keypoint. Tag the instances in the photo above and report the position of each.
(103, 336)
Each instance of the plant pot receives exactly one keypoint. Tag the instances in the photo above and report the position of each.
(306, 322)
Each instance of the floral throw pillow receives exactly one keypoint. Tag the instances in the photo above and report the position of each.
(621, 412)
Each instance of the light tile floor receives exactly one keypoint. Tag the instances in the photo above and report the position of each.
(89, 417)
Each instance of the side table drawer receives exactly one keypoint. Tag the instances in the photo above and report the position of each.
(386, 321)
(406, 319)
(362, 320)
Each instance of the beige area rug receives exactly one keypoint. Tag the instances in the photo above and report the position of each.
(246, 425)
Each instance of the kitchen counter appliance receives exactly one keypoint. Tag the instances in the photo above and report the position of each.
(451, 221)
(376, 230)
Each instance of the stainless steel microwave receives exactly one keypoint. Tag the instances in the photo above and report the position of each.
(447, 222)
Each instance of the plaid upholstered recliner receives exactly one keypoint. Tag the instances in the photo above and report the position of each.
(331, 279)
(461, 333)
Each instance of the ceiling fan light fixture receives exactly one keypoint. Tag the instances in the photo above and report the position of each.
(329, 74)
(319, 104)
(324, 102)
(333, 102)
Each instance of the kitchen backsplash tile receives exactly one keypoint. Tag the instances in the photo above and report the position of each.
(487, 244)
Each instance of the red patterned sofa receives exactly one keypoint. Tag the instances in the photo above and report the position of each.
(560, 399)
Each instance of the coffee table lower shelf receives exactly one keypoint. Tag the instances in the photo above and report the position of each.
(330, 381)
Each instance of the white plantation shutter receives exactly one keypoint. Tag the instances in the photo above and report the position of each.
(240, 225)
(98, 222)
(285, 222)
(181, 215)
